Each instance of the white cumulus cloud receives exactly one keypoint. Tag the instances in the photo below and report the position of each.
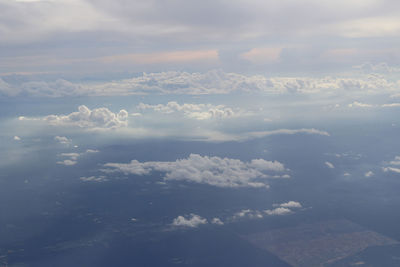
(215, 171)
(191, 221)
(86, 118)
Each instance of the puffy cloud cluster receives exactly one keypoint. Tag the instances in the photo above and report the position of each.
(190, 221)
(196, 111)
(215, 171)
(279, 209)
(86, 118)
(194, 220)
(393, 166)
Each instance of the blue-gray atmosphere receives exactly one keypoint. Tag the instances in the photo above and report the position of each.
(199, 133)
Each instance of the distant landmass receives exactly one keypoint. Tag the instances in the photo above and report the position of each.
(320, 244)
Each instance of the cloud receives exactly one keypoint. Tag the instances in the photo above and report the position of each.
(360, 105)
(217, 221)
(396, 161)
(151, 33)
(287, 131)
(393, 165)
(278, 211)
(330, 165)
(17, 138)
(290, 204)
(72, 158)
(67, 162)
(8, 90)
(85, 118)
(205, 83)
(247, 214)
(381, 67)
(62, 140)
(215, 171)
(92, 151)
(391, 105)
(196, 111)
(392, 169)
(97, 179)
(190, 221)
(369, 174)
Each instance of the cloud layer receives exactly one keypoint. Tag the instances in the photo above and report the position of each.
(210, 82)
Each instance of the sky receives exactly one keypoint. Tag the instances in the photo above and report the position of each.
(281, 37)
(257, 101)
(213, 71)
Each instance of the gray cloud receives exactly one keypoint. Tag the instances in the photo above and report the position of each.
(307, 33)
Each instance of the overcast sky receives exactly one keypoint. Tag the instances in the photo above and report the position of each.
(285, 36)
